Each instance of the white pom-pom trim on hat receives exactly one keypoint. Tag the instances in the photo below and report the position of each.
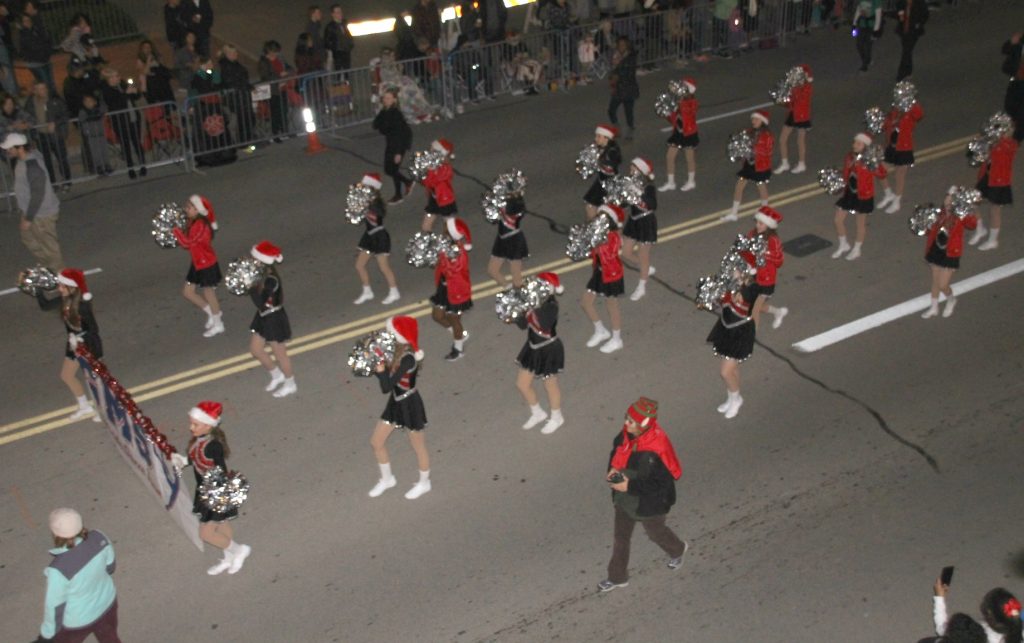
(767, 220)
(761, 117)
(644, 167)
(200, 415)
(197, 203)
(256, 254)
(690, 87)
(604, 131)
(372, 182)
(863, 138)
(71, 283)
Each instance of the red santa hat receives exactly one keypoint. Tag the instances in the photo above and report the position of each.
(267, 252)
(406, 331)
(807, 72)
(75, 278)
(207, 413)
(458, 230)
(643, 411)
(690, 84)
(552, 279)
(616, 214)
(444, 146)
(645, 167)
(372, 179)
(204, 208)
(761, 115)
(863, 137)
(607, 131)
(769, 216)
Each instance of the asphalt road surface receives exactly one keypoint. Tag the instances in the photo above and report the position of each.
(823, 512)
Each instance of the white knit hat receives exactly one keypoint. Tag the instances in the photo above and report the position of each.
(65, 523)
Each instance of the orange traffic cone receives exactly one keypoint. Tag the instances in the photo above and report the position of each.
(313, 144)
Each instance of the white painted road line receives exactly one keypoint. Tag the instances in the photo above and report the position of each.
(11, 291)
(716, 117)
(909, 307)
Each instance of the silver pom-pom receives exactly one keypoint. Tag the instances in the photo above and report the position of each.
(376, 348)
(242, 274)
(923, 218)
(505, 185)
(874, 119)
(357, 201)
(741, 147)
(168, 217)
(782, 93)
(221, 492)
(871, 157)
(425, 161)
(35, 280)
(536, 291)
(732, 270)
(586, 162)
(963, 201)
(903, 95)
(978, 149)
(665, 104)
(710, 291)
(678, 89)
(514, 303)
(422, 249)
(831, 180)
(623, 189)
(997, 126)
(584, 238)
(756, 245)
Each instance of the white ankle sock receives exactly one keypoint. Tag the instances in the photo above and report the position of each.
(691, 176)
(733, 396)
(764, 201)
(276, 373)
(208, 310)
(83, 402)
(385, 471)
(993, 235)
(856, 246)
(424, 476)
(556, 414)
(599, 327)
(843, 242)
(459, 343)
(735, 207)
(535, 409)
(616, 335)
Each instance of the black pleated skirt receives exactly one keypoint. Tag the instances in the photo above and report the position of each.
(273, 328)
(543, 362)
(851, 203)
(205, 278)
(643, 230)
(407, 413)
(512, 248)
(378, 243)
(735, 343)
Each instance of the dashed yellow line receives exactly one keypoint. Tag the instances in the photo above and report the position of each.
(236, 364)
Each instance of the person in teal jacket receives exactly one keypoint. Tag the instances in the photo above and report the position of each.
(80, 594)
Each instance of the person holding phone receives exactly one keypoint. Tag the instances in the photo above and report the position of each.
(1000, 609)
(642, 470)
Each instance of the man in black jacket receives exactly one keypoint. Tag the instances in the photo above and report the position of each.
(174, 24)
(338, 40)
(910, 19)
(642, 471)
(198, 16)
(35, 46)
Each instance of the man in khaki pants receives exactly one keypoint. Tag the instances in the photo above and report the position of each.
(37, 201)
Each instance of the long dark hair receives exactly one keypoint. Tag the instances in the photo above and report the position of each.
(216, 433)
(993, 608)
(69, 310)
(59, 541)
(961, 628)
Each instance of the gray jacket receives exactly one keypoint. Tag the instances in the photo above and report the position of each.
(32, 188)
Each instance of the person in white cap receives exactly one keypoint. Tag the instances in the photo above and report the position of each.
(758, 170)
(858, 198)
(606, 280)
(375, 242)
(641, 229)
(684, 137)
(37, 201)
(404, 409)
(542, 357)
(80, 595)
(204, 271)
(607, 166)
(270, 325)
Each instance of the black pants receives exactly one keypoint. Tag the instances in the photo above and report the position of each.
(865, 37)
(53, 148)
(278, 114)
(907, 43)
(613, 110)
(127, 132)
(394, 170)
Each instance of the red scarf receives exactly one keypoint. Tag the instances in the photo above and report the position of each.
(654, 440)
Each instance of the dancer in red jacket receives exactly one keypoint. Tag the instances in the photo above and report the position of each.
(799, 118)
(995, 177)
(899, 153)
(684, 137)
(438, 182)
(859, 197)
(606, 281)
(943, 248)
(204, 272)
(766, 223)
(454, 294)
(760, 171)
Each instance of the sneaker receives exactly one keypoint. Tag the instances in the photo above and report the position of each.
(894, 207)
(991, 244)
(366, 296)
(854, 255)
(392, 297)
(535, 419)
(950, 305)
(143, 172)
(395, 200)
(288, 388)
(677, 562)
(220, 567)
(131, 175)
(599, 336)
(651, 270)
(932, 311)
(418, 490)
(239, 560)
(210, 320)
(611, 346)
(979, 234)
(454, 356)
(638, 293)
(275, 381)
(724, 406)
(216, 329)
(382, 486)
(607, 585)
(732, 216)
(887, 199)
(734, 408)
(841, 250)
(668, 185)
(783, 168)
(799, 169)
(552, 425)
(689, 185)
(83, 412)
(778, 318)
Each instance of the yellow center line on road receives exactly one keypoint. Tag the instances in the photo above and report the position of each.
(356, 328)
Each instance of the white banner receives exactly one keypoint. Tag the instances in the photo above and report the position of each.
(143, 456)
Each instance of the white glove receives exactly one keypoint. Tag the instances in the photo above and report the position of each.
(73, 341)
(179, 461)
